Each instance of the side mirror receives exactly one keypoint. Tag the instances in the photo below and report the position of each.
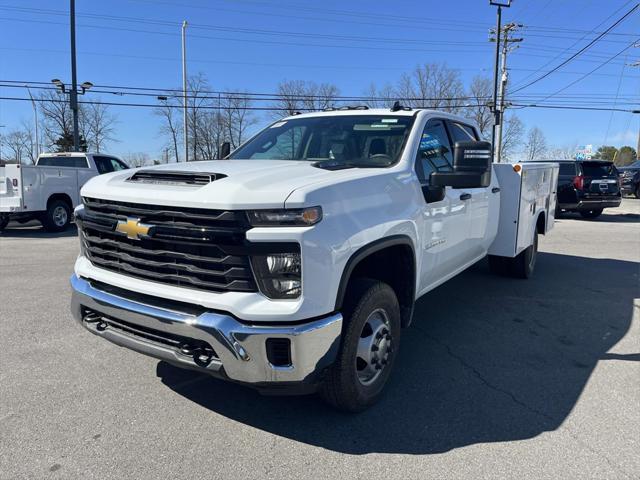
(225, 150)
(471, 167)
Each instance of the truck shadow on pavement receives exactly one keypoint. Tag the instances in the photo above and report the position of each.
(487, 359)
(36, 231)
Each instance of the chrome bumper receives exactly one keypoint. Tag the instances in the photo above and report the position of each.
(240, 350)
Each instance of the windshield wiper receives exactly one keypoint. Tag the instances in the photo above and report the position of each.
(342, 165)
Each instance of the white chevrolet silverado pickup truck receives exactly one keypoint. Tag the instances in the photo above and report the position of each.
(293, 265)
(49, 190)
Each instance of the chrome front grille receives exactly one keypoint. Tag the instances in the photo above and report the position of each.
(195, 248)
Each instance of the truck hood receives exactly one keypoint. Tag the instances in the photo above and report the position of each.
(247, 184)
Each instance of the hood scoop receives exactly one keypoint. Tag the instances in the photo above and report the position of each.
(169, 177)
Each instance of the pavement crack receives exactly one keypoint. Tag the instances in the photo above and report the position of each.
(482, 379)
(519, 402)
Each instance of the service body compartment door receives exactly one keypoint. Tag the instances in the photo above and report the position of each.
(525, 194)
(11, 188)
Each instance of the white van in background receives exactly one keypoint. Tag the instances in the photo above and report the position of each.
(49, 190)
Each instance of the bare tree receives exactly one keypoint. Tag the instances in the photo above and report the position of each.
(298, 95)
(432, 86)
(566, 152)
(511, 136)
(57, 119)
(536, 145)
(137, 159)
(198, 97)
(237, 117)
(170, 127)
(18, 144)
(379, 98)
(212, 132)
(98, 125)
(480, 92)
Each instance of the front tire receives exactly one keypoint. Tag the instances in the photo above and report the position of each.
(57, 217)
(590, 214)
(370, 340)
(637, 192)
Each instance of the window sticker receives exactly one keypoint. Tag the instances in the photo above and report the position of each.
(278, 124)
(389, 120)
(429, 142)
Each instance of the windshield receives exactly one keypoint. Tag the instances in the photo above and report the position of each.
(358, 140)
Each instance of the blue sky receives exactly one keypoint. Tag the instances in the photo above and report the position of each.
(144, 50)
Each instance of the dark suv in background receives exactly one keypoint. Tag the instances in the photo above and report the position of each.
(587, 187)
(630, 179)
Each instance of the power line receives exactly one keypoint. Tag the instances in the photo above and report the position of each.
(213, 107)
(587, 33)
(583, 49)
(265, 96)
(588, 73)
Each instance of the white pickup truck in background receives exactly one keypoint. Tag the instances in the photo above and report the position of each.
(49, 190)
(294, 265)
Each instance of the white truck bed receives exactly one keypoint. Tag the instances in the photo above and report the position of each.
(526, 190)
(27, 188)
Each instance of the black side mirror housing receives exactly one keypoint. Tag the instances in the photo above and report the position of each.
(471, 167)
(225, 150)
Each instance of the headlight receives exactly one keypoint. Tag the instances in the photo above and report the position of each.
(303, 217)
(279, 275)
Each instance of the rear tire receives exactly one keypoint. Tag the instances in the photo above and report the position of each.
(523, 265)
(57, 217)
(370, 340)
(591, 213)
(4, 221)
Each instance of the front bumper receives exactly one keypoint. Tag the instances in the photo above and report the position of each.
(240, 350)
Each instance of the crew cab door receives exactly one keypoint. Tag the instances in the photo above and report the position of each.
(483, 203)
(445, 221)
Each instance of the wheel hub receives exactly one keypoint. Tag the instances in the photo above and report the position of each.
(59, 216)
(374, 347)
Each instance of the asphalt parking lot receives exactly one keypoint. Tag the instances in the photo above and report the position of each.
(496, 379)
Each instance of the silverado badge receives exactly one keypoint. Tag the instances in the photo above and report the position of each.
(133, 228)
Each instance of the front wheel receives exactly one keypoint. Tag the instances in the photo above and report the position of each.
(4, 221)
(370, 339)
(591, 213)
(637, 192)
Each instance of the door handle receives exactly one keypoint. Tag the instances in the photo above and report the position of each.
(465, 196)
(495, 189)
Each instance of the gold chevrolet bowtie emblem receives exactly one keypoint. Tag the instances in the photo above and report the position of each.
(133, 228)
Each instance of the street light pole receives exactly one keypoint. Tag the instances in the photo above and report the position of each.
(35, 120)
(184, 91)
(73, 94)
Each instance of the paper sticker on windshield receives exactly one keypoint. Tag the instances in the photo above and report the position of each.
(389, 120)
(277, 125)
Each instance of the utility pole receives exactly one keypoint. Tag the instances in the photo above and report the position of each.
(184, 91)
(497, 118)
(73, 94)
(507, 30)
(637, 64)
(35, 121)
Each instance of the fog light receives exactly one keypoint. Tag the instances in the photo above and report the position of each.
(279, 275)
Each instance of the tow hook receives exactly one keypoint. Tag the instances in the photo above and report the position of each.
(200, 356)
